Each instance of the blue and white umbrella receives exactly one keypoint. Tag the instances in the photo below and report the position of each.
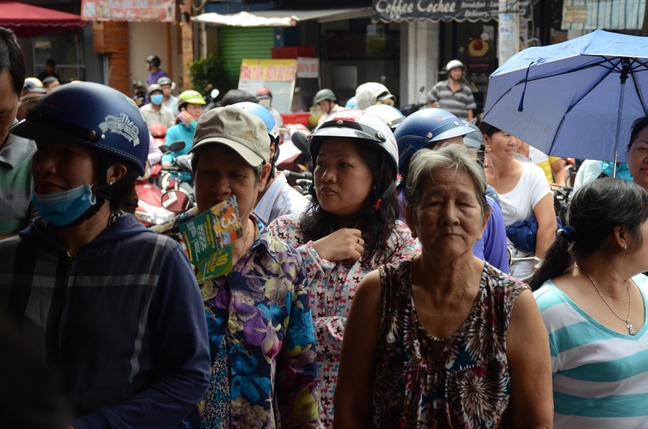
(573, 99)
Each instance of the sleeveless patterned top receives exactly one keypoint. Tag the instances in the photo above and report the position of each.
(461, 381)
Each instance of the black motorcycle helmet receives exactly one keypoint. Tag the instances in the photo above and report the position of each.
(154, 59)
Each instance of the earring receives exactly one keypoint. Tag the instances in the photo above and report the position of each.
(625, 247)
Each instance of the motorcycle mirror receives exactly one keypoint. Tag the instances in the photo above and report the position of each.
(175, 201)
(214, 93)
(301, 142)
(177, 146)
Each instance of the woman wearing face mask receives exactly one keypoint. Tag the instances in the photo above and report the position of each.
(154, 112)
(264, 95)
(351, 228)
(191, 104)
(114, 307)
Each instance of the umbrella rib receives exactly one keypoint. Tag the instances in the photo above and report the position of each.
(585, 67)
(639, 94)
(569, 109)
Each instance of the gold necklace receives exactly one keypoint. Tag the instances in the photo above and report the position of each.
(247, 235)
(631, 330)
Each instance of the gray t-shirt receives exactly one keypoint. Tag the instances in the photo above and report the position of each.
(458, 103)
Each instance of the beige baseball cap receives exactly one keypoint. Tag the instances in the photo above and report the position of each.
(231, 126)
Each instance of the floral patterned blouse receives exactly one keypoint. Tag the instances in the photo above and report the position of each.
(260, 330)
(461, 381)
(333, 285)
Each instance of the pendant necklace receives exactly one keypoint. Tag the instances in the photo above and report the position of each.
(631, 330)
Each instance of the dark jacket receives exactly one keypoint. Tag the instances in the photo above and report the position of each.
(123, 322)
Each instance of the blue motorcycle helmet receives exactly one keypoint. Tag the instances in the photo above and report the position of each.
(422, 129)
(351, 103)
(99, 118)
(270, 123)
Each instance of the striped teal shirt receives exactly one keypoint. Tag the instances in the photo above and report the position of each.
(600, 376)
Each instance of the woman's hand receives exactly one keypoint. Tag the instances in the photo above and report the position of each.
(185, 117)
(343, 244)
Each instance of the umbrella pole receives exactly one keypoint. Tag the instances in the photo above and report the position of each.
(623, 77)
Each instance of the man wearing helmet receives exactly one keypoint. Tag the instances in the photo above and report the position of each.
(264, 95)
(169, 100)
(33, 85)
(452, 95)
(325, 99)
(154, 112)
(114, 307)
(191, 109)
(15, 152)
(371, 93)
(154, 71)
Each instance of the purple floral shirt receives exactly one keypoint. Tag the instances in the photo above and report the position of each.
(261, 314)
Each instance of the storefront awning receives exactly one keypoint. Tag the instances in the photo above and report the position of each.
(28, 21)
(608, 14)
(281, 18)
(445, 10)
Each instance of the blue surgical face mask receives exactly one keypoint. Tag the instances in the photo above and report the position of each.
(63, 208)
(157, 99)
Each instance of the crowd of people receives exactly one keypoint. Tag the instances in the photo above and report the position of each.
(382, 300)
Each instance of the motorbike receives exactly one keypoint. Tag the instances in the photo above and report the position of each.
(408, 109)
(210, 96)
(303, 181)
(294, 159)
(150, 210)
(178, 177)
(159, 131)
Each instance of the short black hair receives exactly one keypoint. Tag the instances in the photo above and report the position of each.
(50, 62)
(234, 96)
(11, 58)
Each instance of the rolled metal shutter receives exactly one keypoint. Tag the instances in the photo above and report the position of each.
(237, 43)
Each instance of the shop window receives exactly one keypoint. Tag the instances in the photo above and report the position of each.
(66, 49)
(375, 42)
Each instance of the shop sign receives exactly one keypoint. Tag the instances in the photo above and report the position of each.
(444, 10)
(128, 10)
(273, 70)
(308, 67)
(576, 15)
(608, 14)
(277, 75)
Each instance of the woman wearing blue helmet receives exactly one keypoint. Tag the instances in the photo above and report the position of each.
(434, 128)
(113, 306)
(278, 198)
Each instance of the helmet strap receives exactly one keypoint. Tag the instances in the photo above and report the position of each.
(375, 204)
(105, 190)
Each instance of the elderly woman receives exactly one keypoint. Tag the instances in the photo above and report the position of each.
(523, 190)
(638, 152)
(444, 339)
(259, 320)
(351, 229)
(593, 304)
